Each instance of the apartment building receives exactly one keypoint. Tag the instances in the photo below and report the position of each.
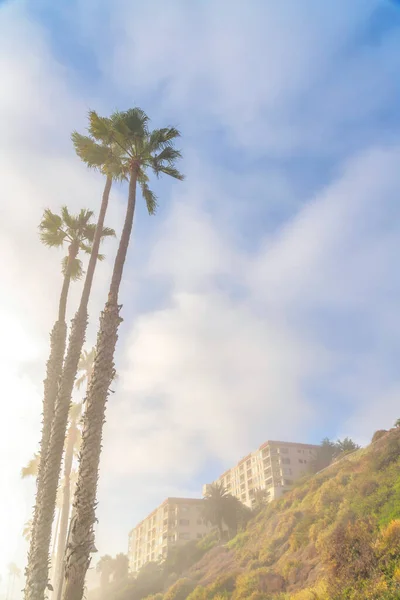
(273, 468)
(174, 522)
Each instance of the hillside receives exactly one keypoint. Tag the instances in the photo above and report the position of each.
(335, 536)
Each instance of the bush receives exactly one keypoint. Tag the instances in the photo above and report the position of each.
(180, 590)
(262, 580)
(199, 593)
(224, 583)
(349, 551)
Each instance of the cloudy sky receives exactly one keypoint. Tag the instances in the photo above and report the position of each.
(262, 302)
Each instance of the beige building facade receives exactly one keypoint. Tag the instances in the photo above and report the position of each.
(175, 522)
(273, 468)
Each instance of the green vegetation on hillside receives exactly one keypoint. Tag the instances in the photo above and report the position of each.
(335, 536)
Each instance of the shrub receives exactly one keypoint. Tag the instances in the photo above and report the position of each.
(262, 580)
(349, 551)
(319, 592)
(223, 583)
(199, 593)
(180, 590)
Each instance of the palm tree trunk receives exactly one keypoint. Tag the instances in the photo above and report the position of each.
(37, 572)
(82, 535)
(66, 505)
(58, 339)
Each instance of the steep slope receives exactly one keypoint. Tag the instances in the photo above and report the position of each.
(335, 536)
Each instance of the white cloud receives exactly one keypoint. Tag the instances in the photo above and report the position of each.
(243, 328)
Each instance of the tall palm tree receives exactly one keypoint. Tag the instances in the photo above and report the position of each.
(105, 567)
(120, 567)
(73, 437)
(13, 573)
(216, 505)
(76, 233)
(141, 150)
(99, 152)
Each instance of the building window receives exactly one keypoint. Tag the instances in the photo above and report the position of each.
(301, 460)
(267, 471)
(184, 536)
(284, 450)
(184, 522)
(199, 536)
(288, 482)
(286, 461)
(268, 482)
(184, 508)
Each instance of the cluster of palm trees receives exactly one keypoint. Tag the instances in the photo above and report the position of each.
(122, 148)
(116, 567)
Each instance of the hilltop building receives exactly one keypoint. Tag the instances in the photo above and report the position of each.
(273, 468)
(174, 522)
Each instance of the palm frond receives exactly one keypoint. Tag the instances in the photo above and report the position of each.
(172, 172)
(162, 138)
(93, 155)
(83, 218)
(31, 468)
(67, 218)
(100, 128)
(90, 230)
(150, 198)
(87, 248)
(75, 411)
(108, 232)
(101, 257)
(80, 381)
(131, 124)
(76, 268)
(50, 229)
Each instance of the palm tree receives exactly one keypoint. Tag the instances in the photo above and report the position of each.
(120, 567)
(216, 506)
(77, 233)
(13, 573)
(98, 152)
(73, 438)
(141, 150)
(31, 469)
(105, 567)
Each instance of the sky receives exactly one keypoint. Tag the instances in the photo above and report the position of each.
(261, 302)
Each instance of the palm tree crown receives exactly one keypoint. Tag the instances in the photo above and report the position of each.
(76, 231)
(139, 148)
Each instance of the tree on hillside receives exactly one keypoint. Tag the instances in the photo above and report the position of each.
(222, 509)
(328, 451)
(142, 150)
(397, 423)
(79, 234)
(345, 446)
(120, 567)
(259, 499)
(105, 567)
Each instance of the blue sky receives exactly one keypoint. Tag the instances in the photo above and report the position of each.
(262, 301)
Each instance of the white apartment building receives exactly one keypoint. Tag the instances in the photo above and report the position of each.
(273, 467)
(174, 522)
